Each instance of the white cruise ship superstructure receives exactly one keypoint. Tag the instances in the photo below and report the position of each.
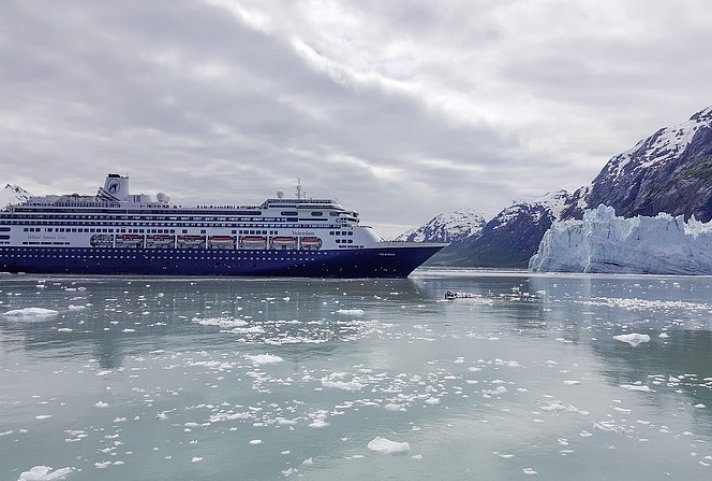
(116, 232)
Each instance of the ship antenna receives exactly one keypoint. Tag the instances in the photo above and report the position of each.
(299, 188)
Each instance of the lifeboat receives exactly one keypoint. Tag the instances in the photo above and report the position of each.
(253, 242)
(311, 243)
(221, 241)
(191, 241)
(129, 240)
(160, 239)
(284, 242)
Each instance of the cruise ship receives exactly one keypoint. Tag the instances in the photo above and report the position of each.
(116, 232)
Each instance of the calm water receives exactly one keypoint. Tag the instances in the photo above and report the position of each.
(261, 379)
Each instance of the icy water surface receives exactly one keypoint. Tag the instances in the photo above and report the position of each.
(536, 377)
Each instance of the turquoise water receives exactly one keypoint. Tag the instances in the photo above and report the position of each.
(203, 379)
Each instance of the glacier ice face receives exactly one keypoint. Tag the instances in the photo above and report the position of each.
(603, 242)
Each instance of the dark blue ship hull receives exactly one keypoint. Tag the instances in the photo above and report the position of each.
(386, 262)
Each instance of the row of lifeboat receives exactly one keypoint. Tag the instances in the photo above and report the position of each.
(162, 241)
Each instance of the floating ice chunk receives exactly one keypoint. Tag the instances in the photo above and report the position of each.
(319, 420)
(634, 339)
(308, 462)
(222, 417)
(350, 312)
(394, 407)
(700, 406)
(556, 406)
(571, 382)
(386, 446)
(128, 329)
(221, 322)
(44, 473)
(248, 330)
(529, 471)
(255, 441)
(261, 359)
(196, 459)
(41, 417)
(498, 391)
(636, 387)
(65, 329)
(102, 464)
(30, 314)
(333, 381)
(101, 404)
(663, 335)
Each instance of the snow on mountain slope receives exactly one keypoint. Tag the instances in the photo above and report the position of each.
(447, 227)
(13, 194)
(670, 171)
(664, 145)
(603, 242)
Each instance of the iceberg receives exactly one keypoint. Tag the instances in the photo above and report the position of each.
(603, 242)
(386, 446)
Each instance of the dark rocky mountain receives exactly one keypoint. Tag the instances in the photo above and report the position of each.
(670, 171)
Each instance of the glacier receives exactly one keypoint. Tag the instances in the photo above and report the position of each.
(603, 242)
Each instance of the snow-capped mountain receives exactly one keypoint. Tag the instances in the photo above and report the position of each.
(510, 238)
(670, 171)
(447, 227)
(602, 242)
(13, 194)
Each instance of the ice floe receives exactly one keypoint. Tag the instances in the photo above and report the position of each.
(261, 359)
(636, 387)
(221, 322)
(386, 446)
(45, 473)
(634, 339)
(31, 314)
(350, 312)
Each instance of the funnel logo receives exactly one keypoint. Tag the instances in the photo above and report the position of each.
(113, 187)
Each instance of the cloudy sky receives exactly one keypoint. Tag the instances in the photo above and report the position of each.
(399, 109)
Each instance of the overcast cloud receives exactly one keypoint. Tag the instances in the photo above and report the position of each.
(400, 109)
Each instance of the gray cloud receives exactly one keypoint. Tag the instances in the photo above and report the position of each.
(400, 110)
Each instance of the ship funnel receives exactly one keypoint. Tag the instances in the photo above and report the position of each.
(116, 188)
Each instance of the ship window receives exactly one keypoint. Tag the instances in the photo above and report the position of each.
(351, 233)
(317, 214)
